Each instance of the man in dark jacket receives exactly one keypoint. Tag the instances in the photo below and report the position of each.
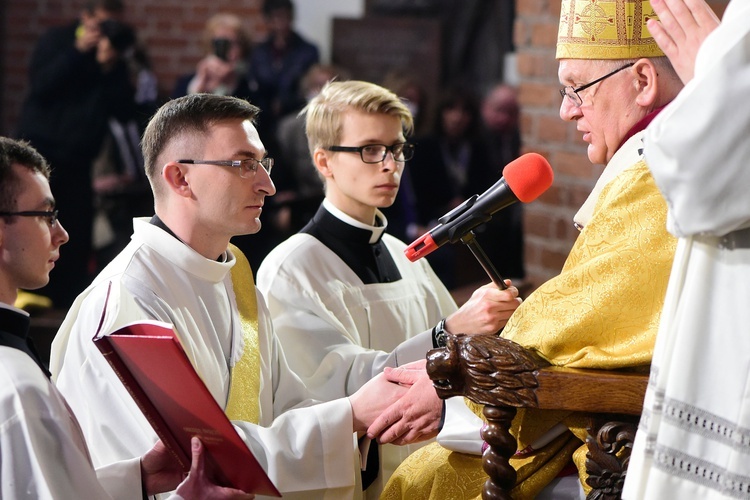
(78, 80)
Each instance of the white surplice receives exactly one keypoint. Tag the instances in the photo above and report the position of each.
(338, 332)
(42, 451)
(308, 448)
(694, 435)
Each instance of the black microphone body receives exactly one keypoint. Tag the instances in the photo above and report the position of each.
(458, 222)
(524, 179)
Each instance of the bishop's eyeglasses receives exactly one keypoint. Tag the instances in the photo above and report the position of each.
(572, 92)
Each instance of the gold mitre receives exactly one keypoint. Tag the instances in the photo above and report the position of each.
(606, 29)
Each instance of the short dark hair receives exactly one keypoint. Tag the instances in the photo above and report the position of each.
(113, 6)
(191, 114)
(272, 5)
(15, 152)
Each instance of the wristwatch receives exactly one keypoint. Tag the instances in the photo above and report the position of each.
(438, 334)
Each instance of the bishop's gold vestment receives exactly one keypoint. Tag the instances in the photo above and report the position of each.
(602, 311)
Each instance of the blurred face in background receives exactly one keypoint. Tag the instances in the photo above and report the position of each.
(227, 39)
(500, 110)
(455, 120)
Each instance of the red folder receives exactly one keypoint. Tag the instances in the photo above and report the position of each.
(151, 363)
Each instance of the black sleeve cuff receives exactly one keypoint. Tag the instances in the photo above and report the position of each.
(442, 418)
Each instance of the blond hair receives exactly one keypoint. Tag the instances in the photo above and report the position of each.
(325, 111)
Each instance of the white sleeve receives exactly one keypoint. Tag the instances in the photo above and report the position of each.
(294, 429)
(461, 428)
(42, 452)
(122, 479)
(698, 148)
(309, 449)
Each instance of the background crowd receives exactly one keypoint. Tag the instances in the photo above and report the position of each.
(91, 91)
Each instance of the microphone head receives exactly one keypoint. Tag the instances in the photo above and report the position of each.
(528, 176)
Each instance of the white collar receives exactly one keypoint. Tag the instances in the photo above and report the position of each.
(375, 231)
(181, 254)
(622, 159)
(3, 305)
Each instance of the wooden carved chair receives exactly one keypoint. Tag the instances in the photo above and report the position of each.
(504, 376)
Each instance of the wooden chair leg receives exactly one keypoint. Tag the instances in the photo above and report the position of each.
(502, 446)
(607, 459)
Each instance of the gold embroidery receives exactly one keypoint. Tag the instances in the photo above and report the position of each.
(244, 389)
(602, 311)
(605, 29)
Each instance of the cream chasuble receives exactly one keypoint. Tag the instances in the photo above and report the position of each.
(601, 311)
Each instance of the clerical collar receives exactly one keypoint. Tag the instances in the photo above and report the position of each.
(3, 305)
(353, 243)
(641, 125)
(156, 221)
(376, 232)
(14, 332)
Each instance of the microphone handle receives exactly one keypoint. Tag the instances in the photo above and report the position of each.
(470, 240)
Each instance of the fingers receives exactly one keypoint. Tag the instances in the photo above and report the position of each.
(415, 365)
(670, 31)
(680, 31)
(404, 376)
(406, 430)
(392, 414)
(196, 447)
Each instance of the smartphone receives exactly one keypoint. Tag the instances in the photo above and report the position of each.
(221, 47)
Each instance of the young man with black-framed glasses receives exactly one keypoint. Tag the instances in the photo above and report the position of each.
(344, 300)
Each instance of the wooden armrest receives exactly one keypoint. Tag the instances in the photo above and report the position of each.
(590, 391)
(504, 376)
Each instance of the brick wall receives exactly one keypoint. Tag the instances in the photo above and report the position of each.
(170, 30)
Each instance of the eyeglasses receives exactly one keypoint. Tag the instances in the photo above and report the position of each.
(51, 215)
(376, 153)
(572, 93)
(246, 166)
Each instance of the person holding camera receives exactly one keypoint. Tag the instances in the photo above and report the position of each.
(78, 80)
(222, 71)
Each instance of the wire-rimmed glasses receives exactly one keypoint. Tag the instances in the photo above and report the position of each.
(572, 92)
(246, 166)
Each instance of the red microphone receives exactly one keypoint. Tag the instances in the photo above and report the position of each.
(524, 179)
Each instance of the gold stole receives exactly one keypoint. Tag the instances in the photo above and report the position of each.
(244, 388)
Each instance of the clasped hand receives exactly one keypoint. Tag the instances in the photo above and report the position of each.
(416, 415)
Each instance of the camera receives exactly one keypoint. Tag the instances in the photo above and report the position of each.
(221, 48)
(120, 35)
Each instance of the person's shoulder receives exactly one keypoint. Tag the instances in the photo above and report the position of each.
(59, 33)
(20, 376)
(393, 243)
(289, 252)
(303, 44)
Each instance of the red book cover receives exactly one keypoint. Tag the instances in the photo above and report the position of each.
(151, 363)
